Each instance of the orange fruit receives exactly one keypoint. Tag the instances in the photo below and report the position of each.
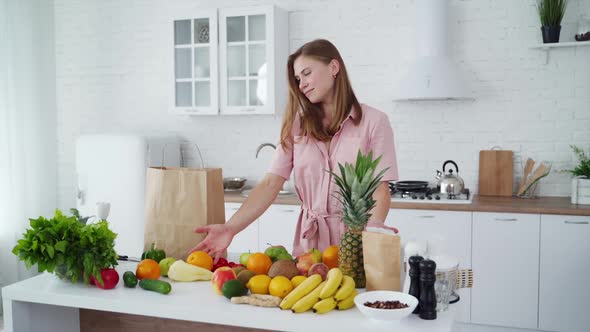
(259, 263)
(330, 256)
(200, 259)
(148, 269)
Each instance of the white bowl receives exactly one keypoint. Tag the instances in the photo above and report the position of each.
(385, 314)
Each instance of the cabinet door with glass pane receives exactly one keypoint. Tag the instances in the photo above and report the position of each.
(195, 49)
(248, 55)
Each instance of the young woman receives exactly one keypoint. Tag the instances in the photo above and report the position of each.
(324, 125)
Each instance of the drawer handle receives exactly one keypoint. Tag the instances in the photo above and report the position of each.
(576, 222)
(291, 210)
(505, 219)
(426, 217)
(248, 109)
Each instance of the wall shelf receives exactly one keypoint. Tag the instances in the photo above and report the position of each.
(547, 47)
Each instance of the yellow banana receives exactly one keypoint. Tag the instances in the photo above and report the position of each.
(325, 305)
(345, 289)
(300, 291)
(307, 302)
(348, 302)
(333, 280)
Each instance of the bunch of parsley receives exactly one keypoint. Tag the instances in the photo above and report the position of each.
(66, 246)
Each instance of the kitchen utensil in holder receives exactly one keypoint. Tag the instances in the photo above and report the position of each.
(530, 186)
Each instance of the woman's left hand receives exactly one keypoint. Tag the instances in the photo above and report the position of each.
(381, 225)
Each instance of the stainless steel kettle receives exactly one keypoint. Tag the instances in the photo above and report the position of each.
(449, 183)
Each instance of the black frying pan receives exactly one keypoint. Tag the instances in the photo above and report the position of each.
(409, 185)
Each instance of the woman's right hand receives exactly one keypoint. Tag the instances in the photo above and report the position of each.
(218, 238)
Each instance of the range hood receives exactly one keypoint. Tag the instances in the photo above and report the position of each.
(433, 75)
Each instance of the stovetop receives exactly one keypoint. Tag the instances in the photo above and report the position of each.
(430, 195)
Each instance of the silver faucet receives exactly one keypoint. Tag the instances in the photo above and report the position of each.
(262, 146)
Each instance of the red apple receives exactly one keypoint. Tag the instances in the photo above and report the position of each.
(319, 268)
(304, 262)
(220, 276)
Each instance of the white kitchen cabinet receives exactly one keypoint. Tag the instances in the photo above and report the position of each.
(447, 233)
(247, 239)
(229, 61)
(506, 269)
(277, 226)
(193, 63)
(253, 48)
(563, 286)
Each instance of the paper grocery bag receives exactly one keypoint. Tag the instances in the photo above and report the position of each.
(382, 260)
(177, 200)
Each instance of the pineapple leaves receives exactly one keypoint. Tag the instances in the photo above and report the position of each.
(356, 184)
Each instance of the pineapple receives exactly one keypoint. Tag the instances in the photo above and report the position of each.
(356, 185)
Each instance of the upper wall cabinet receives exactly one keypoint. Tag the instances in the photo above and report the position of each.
(253, 50)
(230, 61)
(194, 78)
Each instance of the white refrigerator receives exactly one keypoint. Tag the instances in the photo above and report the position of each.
(112, 169)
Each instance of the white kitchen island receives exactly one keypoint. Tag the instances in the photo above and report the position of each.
(45, 303)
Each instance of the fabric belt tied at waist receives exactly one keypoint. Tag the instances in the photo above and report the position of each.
(316, 224)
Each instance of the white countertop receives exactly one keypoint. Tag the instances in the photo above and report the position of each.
(196, 301)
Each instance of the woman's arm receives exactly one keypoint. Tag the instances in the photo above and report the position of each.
(259, 199)
(382, 205)
(219, 236)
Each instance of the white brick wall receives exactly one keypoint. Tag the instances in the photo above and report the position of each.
(110, 79)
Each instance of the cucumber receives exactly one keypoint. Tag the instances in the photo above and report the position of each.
(158, 286)
(129, 279)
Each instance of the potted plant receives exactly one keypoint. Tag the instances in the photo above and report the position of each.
(551, 13)
(581, 180)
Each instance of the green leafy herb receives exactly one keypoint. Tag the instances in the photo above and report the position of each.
(68, 247)
(583, 168)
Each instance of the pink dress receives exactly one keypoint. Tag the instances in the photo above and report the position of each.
(319, 224)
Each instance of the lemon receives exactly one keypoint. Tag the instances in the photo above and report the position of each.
(280, 286)
(296, 280)
(259, 284)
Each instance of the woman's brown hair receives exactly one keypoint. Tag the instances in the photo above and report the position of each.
(310, 114)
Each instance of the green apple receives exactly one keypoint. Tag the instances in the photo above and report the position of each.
(165, 265)
(284, 255)
(244, 258)
(317, 255)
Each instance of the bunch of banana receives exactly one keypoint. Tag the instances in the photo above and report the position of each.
(300, 291)
(338, 291)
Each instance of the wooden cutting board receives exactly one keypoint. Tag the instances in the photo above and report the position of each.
(496, 172)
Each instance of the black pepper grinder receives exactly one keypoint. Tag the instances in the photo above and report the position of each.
(414, 274)
(427, 298)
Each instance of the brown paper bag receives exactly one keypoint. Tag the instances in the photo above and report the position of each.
(382, 261)
(177, 200)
